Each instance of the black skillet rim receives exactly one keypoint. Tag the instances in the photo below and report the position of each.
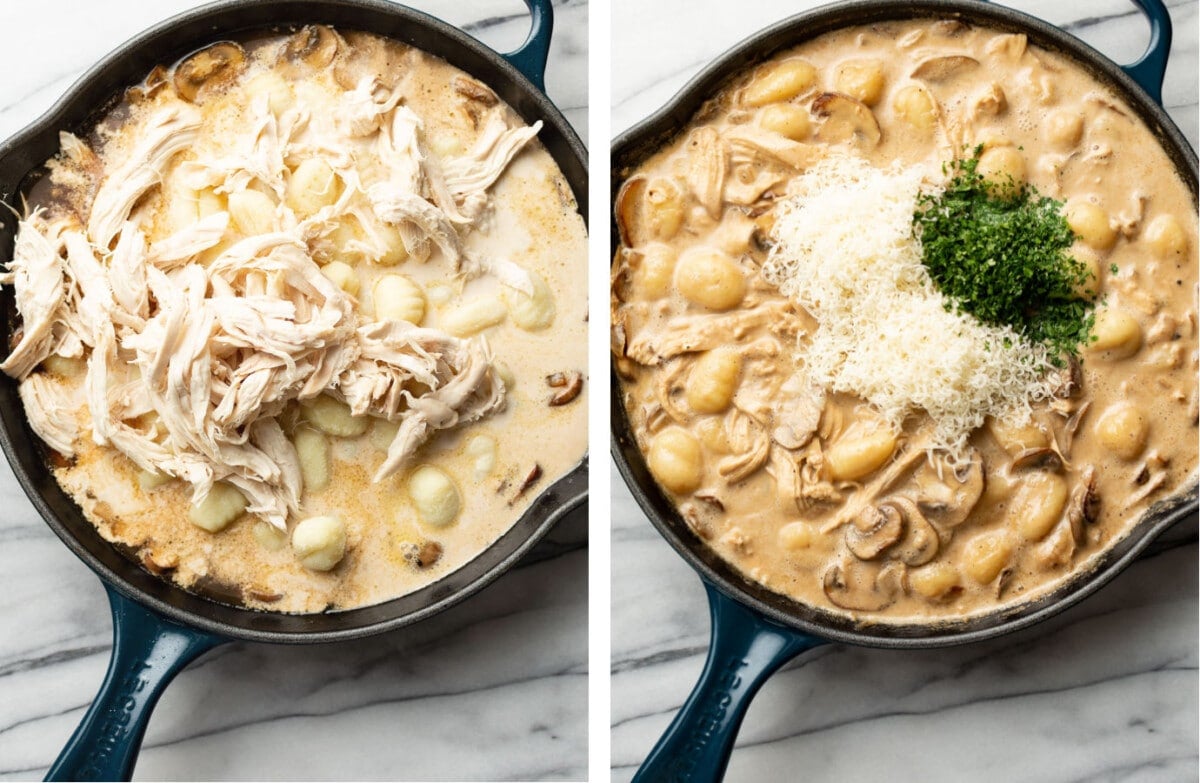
(635, 144)
(78, 109)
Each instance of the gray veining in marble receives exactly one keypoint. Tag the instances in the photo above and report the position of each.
(1104, 692)
(493, 689)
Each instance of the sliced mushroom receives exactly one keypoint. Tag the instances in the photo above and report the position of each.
(1043, 458)
(706, 165)
(862, 586)
(949, 28)
(315, 45)
(921, 542)
(1083, 507)
(948, 499)
(944, 68)
(473, 90)
(629, 210)
(873, 530)
(421, 554)
(753, 446)
(846, 120)
(217, 65)
(1072, 426)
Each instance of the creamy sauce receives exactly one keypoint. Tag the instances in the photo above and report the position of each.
(391, 549)
(838, 509)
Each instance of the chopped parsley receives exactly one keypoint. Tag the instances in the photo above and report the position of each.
(1000, 254)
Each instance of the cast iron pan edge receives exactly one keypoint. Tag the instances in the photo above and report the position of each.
(159, 628)
(173, 38)
(633, 146)
(754, 630)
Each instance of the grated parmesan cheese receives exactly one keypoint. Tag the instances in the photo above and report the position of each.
(846, 253)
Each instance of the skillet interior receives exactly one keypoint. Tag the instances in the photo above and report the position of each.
(20, 161)
(641, 141)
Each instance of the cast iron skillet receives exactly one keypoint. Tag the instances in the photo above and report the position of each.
(754, 630)
(159, 628)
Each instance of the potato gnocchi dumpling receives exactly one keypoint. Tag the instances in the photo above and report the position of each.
(777, 332)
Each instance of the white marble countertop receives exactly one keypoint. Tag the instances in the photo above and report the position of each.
(1104, 692)
(493, 689)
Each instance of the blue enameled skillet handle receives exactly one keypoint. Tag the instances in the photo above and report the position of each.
(1149, 69)
(530, 58)
(148, 651)
(746, 649)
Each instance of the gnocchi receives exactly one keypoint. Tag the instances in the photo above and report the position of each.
(1122, 429)
(532, 313)
(854, 456)
(674, 459)
(780, 81)
(710, 279)
(319, 543)
(312, 186)
(786, 119)
(1091, 224)
(223, 504)
(343, 276)
(656, 270)
(312, 449)
(713, 380)
(252, 212)
(861, 79)
(398, 298)
(915, 106)
(1165, 236)
(333, 417)
(435, 495)
(986, 555)
(474, 315)
(1116, 334)
(1038, 504)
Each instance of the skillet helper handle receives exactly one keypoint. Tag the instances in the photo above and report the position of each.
(1150, 69)
(746, 649)
(530, 57)
(148, 651)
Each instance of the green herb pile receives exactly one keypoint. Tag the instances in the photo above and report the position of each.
(1000, 254)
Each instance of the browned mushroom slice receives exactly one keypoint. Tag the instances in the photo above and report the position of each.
(846, 120)
(1083, 507)
(217, 65)
(751, 444)
(873, 530)
(648, 210)
(861, 586)
(949, 28)
(944, 68)
(921, 541)
(568, 384)
(421, 554)
(948, 499)
(315, 45)
(473, 90)
(629, 210)
(1043, 458)
(1072, 426)
(706, 165)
